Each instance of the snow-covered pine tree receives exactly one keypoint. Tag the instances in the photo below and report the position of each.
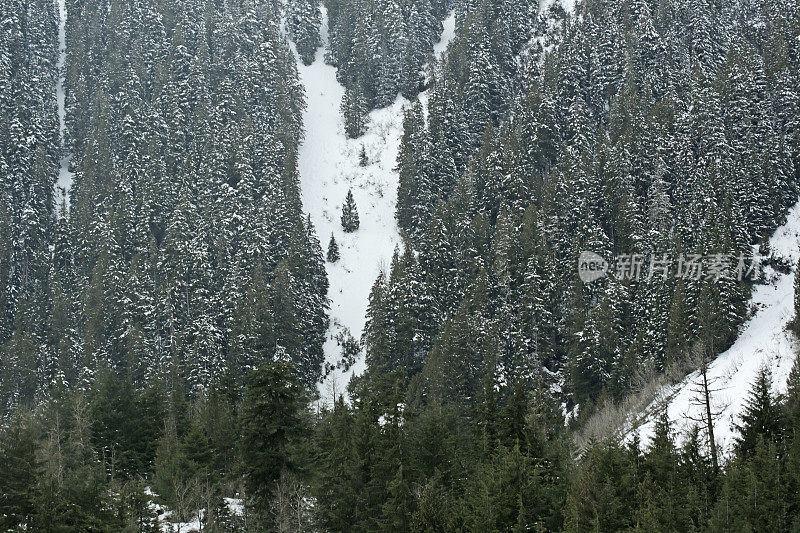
(333, 250)
(303, 24)
(414, 193)
(795, 324)
(349, 219)
(354, 111)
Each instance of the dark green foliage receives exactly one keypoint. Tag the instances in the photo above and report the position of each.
(415, 195)
(271, 422)
(380, 47)
(354, 110)
(756, 494)
(169, 476)
(384, 463)
(126, 426)
(350, 348)
(334, 479)
(29, 155)
(18, 456)
(762, 417)
(793, 394)
(350, 222)
(333, 250)
(796, 321)
(602, 496)
(135, 508)
(130, 322)
(185, 189)
(632, 138)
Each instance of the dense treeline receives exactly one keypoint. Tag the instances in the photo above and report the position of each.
(82, 462)
(380, 48)
(29, 155)
(183, 255)
(656, 127)
(164, 328)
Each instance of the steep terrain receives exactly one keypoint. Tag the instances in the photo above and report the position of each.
(329, 167)
(764, 341)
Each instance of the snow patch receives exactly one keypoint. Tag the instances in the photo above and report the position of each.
(448, 34)
(568, 5)
(64, 179)
(235, 507)
(329, 166)
(439, 49)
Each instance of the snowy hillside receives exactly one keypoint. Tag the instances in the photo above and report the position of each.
(763, 341)
(329, 167)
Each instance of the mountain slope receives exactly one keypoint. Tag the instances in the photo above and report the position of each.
(764, 341)
(329, 167)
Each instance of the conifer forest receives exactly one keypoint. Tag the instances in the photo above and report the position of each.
(399, 266)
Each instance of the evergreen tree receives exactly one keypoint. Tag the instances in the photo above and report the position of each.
(414, 191)
(793, 389)
(303, 23)
(349, 219)
(333, 250)
(271, 422)
(795, 324)
(19, 477)
(761, 418)
(354, 111)
(602, 495)
(336, 482)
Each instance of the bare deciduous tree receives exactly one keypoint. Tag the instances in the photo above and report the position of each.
(290, 506)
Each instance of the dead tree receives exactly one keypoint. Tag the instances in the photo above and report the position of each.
(703, 390)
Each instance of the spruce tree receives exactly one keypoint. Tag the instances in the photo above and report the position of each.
(19, 477)
(762, 418)
(793, 384)
(795, 324)
(271, 422)
(354, 112)
(336, 485)
(303, 23)
(350, 222)
(333, 250)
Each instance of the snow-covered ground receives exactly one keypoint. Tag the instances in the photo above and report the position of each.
(568, 5)
(764, 341)
(64, 179)
(329, 167)
(448, 33)
(234, 505)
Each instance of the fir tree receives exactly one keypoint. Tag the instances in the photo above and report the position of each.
(354, 111)
(761, 418)
(333, 250)
(795, 324)
(303, 24)
(18, 480)
(350, 222)
(271, 421)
